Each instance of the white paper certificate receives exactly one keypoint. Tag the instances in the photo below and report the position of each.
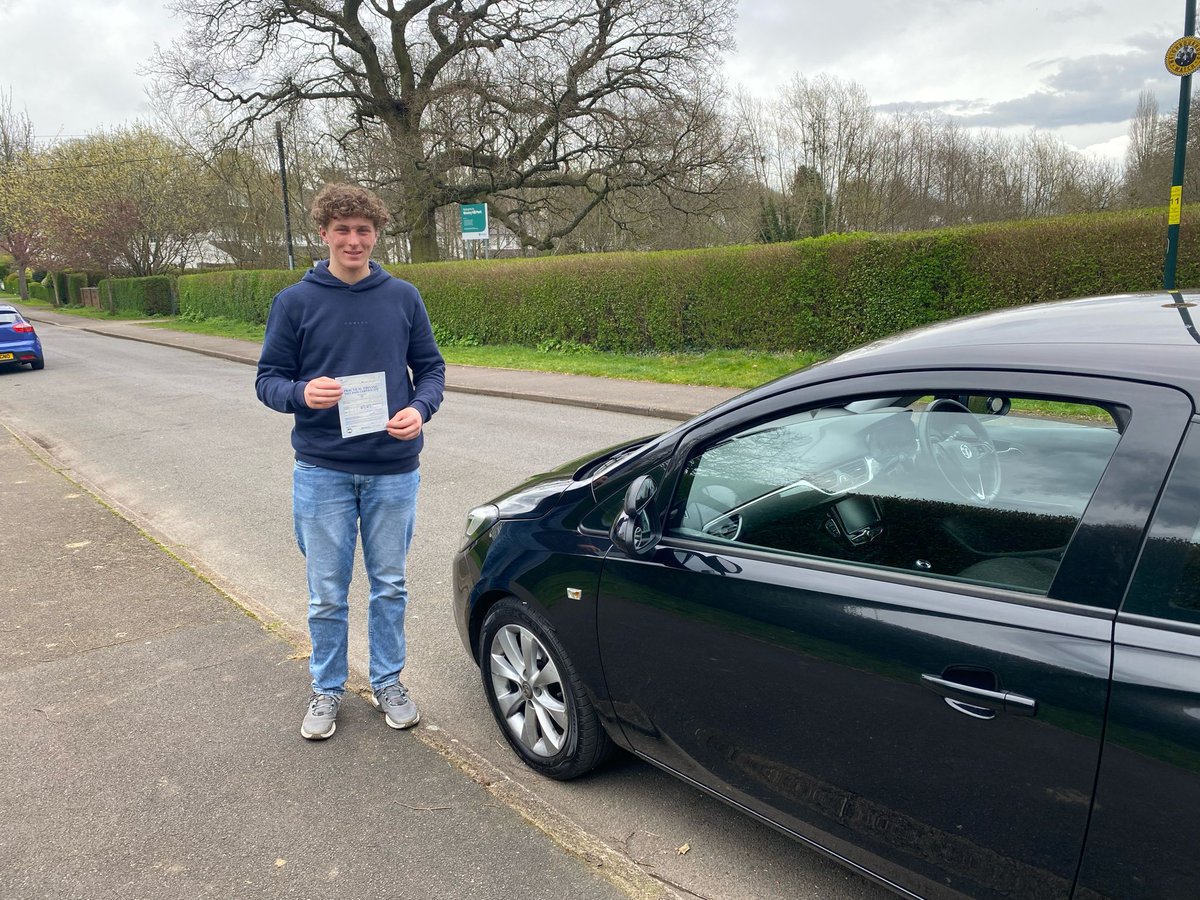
(363, 407)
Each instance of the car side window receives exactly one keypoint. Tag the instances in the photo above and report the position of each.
(980, 489)
(1167, 581)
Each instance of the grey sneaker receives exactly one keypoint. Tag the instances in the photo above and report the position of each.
(320, 721)
(395, 704)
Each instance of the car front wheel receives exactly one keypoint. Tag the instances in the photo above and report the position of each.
(536, 696)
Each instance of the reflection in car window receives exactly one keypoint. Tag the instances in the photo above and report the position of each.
(1167, 583)
(602, 517)
(918, 484)
(7, 318)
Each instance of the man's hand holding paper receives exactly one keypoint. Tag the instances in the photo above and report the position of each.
(405, 425)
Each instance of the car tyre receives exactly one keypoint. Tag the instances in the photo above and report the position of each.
(537, 697)
(38, 364)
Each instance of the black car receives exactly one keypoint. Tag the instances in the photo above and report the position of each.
(931, 607)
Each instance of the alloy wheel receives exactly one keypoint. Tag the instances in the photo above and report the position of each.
(529, 691)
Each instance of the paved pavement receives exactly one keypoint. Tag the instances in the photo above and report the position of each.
(151, 744)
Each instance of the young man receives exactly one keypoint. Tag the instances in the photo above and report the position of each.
(350, 353)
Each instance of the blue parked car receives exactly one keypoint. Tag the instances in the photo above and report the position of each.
(18, 341)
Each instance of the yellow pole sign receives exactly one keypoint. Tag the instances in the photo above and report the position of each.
(1176, 204)
(1183, 56)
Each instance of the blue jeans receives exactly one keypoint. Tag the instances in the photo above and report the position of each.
(329, 509)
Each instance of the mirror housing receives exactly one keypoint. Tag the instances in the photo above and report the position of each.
(989, 406)
(633, 531)
(639, 494)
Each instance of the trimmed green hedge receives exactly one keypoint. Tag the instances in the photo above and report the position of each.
(76, 281)
(825, 294)
(37, 291)
(149, 296)
(58, 282)
(244, 296)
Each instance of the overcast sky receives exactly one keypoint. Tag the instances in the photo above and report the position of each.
(1071, 67)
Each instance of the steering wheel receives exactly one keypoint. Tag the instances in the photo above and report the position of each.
(959, 446)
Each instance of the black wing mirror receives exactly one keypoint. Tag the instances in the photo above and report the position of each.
(989, 406)
(633, 531)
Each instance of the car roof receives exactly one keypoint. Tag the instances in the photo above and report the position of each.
(4, 307)
(1149, 336)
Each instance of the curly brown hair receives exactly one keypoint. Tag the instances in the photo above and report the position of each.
(347, 201)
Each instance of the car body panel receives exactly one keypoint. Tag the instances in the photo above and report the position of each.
(1145, 828)
(817, 648)
(1144, 834)
(822, 696)
(537, 562)
(18, 346)
(849, 748)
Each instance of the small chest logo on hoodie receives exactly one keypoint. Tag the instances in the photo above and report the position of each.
(356, 322)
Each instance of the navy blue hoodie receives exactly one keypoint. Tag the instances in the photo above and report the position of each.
(323, 326)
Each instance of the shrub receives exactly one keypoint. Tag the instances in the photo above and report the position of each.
(59, 284)
(150, 296)
(242, 295)
(824, 294)
(75, 282)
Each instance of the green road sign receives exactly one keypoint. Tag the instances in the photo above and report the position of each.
(474, 221)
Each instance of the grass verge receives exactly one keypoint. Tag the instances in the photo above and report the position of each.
(718, 368)
(218, 326)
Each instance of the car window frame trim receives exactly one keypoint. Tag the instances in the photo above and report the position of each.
(1119, 391)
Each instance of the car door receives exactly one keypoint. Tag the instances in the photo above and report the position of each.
(1146, 825)
(832, 634)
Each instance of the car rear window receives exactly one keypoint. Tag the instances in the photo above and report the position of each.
(9, 318)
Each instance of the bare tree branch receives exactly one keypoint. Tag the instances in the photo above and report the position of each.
(447, 100)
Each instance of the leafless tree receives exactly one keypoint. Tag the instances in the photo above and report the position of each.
(472, 99)
(16, 131)
(820, 140)
(830, 123)
(1149, 158)
(22, 208)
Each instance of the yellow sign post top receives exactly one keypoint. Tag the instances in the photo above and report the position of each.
(1183, 56)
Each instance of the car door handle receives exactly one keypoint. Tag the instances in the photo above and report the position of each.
(959, 695)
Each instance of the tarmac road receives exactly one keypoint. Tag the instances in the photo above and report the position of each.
(150, 746)
(731, 857)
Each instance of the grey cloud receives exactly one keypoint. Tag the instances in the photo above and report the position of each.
(1099, 89)
(1083, 11)
(1048, 110)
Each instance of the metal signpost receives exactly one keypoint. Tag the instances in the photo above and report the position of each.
(475, 221)
(1183, 58)
(287, 213)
